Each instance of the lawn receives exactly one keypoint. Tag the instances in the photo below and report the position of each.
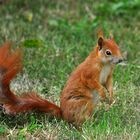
(55, 37)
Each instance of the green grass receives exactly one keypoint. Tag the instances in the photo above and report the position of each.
(58, 35)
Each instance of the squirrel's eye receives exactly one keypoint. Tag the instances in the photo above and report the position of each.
(108, 52)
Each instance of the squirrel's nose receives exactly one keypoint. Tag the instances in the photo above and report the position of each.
(120, 60)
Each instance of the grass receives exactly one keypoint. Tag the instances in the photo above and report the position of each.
(58, 35)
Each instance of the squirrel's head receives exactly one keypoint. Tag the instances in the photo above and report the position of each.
(107, 50)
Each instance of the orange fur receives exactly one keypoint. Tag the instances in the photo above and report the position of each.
(80, 94)
(78, 98)
(10, 65)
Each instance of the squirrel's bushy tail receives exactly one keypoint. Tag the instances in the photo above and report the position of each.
(10, 65)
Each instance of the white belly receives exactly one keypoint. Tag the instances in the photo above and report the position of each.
(104, 74)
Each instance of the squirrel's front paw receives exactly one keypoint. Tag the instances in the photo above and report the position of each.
(111, 102)
(108, 106)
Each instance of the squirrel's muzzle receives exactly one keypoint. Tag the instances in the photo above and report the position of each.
(120, 60)
(116, 60)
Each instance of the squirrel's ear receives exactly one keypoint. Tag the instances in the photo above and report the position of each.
(100, 39)
(100, 42)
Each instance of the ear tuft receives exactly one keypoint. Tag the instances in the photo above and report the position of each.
(100, 42)
(100, 33)
(111, 36)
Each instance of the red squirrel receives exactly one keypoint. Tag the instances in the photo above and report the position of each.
(78, 98)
